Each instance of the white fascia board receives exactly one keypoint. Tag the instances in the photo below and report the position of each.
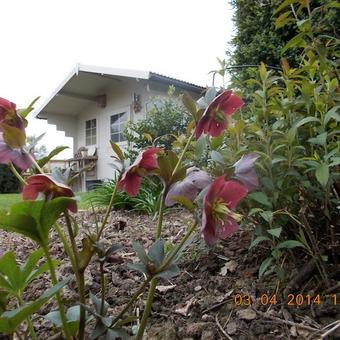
(54, 93)
(114, 71)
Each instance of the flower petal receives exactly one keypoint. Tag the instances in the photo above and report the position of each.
(232, 193)
(130, 183)
(228, 228)
(149, 160)
(231, 104)
(249, 179)
(246, 162)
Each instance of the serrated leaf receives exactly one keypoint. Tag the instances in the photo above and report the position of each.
(10, 320)
(267, 215)
(156, 252)
(275, 232)
(333, 113)
(297, 41)
(258, 240)
(138, 248)
(290, 244)
(264, 266)
(217, 157)
(322, 174)
(260, 197)
(263, 72)
(171, 271)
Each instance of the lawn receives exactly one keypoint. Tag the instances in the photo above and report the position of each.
(6, 200)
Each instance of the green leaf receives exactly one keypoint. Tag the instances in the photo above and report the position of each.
(333, 113)
(283, 19)
(22, 224)
(10, 320)
(284, 4)
(264, 265)
(190, 104)
(156, 252)
(13, 137)
(275, 232)
(24, 113)
(28, 267)
(320, 139)
(306, 120)
(258, 240)
(267, 216)
(140, 267)
(182, 200)
(290, 244)
(297, 41)
(9, 267)
(322, 174)
(261, 197)
(43, 161)
(138, 248)
(117, 150)
(263, 72)
(217, 157)
(171, 271)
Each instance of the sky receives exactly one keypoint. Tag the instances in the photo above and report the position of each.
(42, 40)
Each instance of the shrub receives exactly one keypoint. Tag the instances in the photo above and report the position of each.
(147, 200)
(8, 182)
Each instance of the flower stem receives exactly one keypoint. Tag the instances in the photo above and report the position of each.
(108, 210)
(79, 277)
(36, 164)
(54, 282)
(103, 288)
(147, 309)
(132, 300)
(29, 321)
(169, 258)
(180, 159)
(161, 214)
(16, 173)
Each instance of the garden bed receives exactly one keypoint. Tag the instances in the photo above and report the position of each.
(201, 302)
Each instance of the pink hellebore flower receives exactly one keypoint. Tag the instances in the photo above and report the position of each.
(195, 180)
(214, 118)
(218, 219)
(142, 166)
(9, 116)
(17, 156)
(245, 172)
(47, 186)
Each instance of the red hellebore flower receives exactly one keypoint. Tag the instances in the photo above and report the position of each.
(218, 219)
(214, 118)
(17, 156)
(49, 188)
(142, 166)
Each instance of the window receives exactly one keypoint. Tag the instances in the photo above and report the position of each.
(118, 123)
(91, 132)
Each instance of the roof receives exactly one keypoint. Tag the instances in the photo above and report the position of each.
(85, 82)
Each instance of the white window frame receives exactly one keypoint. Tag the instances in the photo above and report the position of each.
(91, 132)
(121, 126)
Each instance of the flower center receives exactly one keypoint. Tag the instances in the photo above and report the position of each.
(219, 116)
(220, 211)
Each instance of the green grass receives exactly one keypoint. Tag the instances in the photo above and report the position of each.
(6, 200)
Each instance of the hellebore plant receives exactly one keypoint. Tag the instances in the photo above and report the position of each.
(46, 200)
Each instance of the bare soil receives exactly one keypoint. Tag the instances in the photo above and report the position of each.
(209, 299)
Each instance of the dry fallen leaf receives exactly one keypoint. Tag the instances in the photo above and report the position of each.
(228, 266)
(184, 309)
(232, 328)
(164, 289)
(246, 314)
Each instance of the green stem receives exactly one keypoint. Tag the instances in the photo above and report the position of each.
(36, 164)
(161, 214)
(147, 309)
(67, 247)
(79, 277)
(29, 321)
(169, 258)
(108, 210)
(180, 159)
(16, 173)
(132, 300)
(103, 288)
(60, 303)
(154, 280)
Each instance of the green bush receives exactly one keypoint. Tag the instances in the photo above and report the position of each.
(164, 122)
(292, 122)
(147, 200)
(8, 182)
